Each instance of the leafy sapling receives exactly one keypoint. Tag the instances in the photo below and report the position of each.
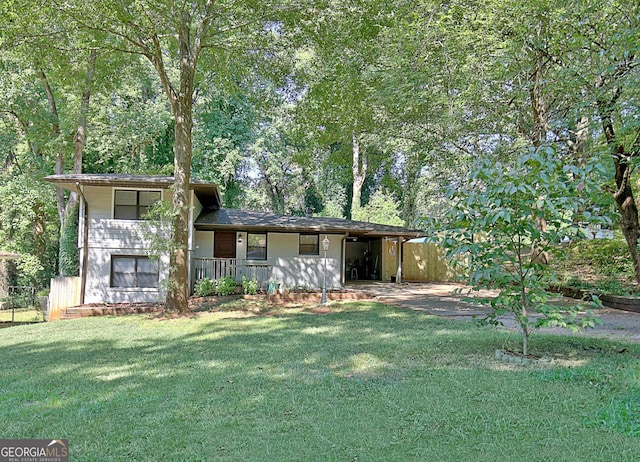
(501, 227)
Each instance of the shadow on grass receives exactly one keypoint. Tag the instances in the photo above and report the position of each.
(226, 385)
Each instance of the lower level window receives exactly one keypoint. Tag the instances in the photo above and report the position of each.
(133, 271)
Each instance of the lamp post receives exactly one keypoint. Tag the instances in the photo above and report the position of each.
(325, 246)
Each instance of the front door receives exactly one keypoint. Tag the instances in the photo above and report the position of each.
(224, 244)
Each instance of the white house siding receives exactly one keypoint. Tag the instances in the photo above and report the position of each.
(193, 234)
(203, 244)
(98, 288)
(292, 270)
(286, 266)
(109, 237)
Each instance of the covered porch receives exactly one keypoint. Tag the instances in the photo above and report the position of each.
(235, 268)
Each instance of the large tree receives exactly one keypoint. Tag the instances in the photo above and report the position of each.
(337, 68)
(178, 37)
(604, 60)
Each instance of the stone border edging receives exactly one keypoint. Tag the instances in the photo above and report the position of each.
(509, 358)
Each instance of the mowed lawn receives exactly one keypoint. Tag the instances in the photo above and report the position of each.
(363, 382)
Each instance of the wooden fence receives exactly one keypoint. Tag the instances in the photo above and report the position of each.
(64, 293)
(424, 261)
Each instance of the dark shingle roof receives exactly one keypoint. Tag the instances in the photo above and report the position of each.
(248, 220)
(213, 217)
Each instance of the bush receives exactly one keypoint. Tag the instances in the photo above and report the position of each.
(205, 287)
(249, 286)
(20, 297)
(226, 286)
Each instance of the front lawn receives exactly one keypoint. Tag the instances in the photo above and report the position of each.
(364, 382)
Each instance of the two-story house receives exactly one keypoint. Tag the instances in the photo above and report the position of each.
(115, 244)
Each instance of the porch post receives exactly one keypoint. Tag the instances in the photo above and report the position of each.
(190, 244)
(343, 257)
(399, 261)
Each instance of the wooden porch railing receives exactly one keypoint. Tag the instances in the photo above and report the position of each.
(214, 268)
(217, 268)
(259, 272)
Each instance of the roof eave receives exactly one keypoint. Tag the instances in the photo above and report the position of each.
(72, 182)
(309, 229)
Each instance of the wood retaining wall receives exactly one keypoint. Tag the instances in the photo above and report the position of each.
(618, 302)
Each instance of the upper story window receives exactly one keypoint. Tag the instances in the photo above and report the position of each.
(308, 244)
(133, 205)
(256, 246)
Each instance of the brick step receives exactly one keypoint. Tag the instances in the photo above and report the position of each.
(88, 311)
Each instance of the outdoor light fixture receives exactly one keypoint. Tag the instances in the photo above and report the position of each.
(325, 246)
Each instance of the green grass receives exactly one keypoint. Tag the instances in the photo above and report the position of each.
(22, 315)
(365, 382)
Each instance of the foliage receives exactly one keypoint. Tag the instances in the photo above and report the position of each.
(223, 128)
(225, 286)
(601, 265)
(28, 225)
(502, 226)
(205, 287)
(21, 297)
(249, 286)
(382, 208)
(69, 260)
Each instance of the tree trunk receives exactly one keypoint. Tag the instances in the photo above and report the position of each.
(177, 294)
(579, 135)
(81, 131)
(623, 194)
(412, 169)
(359, 169)
(538, 105)
(182, 104)
(55, 131)
(538, 136)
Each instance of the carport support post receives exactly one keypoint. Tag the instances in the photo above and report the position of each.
(399, 260)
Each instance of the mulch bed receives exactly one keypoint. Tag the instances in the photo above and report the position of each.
(209, 303)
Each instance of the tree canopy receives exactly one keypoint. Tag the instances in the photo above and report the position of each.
(358, 108)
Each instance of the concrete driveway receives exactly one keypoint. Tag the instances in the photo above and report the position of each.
(449, 300)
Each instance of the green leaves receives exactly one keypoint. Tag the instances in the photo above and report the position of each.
(506, 221)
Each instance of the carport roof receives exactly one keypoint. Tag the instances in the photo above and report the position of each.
(248, 220)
